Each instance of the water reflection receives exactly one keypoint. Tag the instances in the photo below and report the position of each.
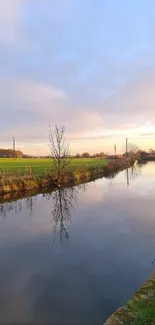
(132, 173)
(63, 202)
(10, 206)
(112, 229)
(16, 206)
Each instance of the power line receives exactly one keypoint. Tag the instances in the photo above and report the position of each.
(88, 138)
(24, 138)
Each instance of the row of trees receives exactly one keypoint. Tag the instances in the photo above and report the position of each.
(151, 152)
(10, 153)
(88, 155)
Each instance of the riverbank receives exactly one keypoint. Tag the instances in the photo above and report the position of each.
(73, 176)
(147, 158)
(140, 310)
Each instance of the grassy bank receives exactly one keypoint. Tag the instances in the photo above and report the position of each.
(140, 310)
(40, 165)
(15, 182)
(29, 185)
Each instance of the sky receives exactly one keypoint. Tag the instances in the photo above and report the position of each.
(87, 64)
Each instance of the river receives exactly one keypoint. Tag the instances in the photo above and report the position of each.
(75, 255)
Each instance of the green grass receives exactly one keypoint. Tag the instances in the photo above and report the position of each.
(40, 165)
(142, 306)
(140, 310)
(144, 313)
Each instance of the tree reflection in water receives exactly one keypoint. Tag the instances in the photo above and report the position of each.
(132, 173)
(62, 205)
(17, 206)
(5, 208)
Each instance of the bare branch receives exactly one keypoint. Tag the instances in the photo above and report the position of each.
(59, 150)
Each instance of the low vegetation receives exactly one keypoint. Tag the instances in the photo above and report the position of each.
(140, 310)
(75, 174)
(10, 153)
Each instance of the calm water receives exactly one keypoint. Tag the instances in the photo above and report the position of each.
(74, 256)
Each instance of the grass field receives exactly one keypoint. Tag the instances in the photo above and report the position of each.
(40, 165)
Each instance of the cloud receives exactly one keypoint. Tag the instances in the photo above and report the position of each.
(39, 104)
(37, 95)
(57, 66)
(35, 105)
(10, 15)
(134, 102)
(33, 100)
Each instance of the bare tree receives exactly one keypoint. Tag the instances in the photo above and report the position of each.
(133, 151)
(132, 147)
(151, 151)
(59, 150)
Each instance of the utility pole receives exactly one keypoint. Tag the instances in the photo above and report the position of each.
(14, 146)
(126, 146)
(115, 149)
